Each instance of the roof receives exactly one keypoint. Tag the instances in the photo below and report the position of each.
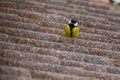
(33, 46)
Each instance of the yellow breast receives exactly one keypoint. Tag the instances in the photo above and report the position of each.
(68, 32)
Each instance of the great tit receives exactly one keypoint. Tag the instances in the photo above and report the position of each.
(115, 2)
(71, 29)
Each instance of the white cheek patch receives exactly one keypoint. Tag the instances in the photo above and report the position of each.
(76, 24)
(69, 21)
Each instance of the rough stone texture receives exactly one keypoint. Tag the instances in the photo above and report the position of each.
(33, 46)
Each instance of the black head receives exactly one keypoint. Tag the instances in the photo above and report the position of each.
(74, 20)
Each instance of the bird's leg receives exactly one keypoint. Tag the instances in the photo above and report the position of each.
(75, 42)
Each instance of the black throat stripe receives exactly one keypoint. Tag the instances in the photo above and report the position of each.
(71, 28)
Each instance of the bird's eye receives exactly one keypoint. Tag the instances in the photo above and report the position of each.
(76, 24)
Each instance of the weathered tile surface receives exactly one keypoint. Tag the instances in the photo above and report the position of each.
(33, 46)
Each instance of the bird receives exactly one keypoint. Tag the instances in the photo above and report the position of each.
(115, 2)
(71, 29)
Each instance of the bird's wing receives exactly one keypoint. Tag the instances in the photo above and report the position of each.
(75, 32)
(67, 30)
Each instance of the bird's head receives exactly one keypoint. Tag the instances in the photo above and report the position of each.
(73, 21)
